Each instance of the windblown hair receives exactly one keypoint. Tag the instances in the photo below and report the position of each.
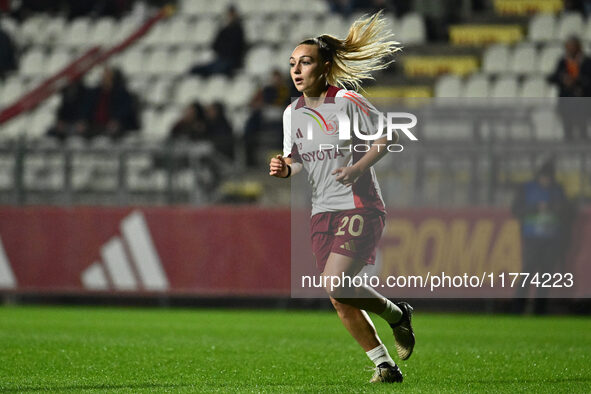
(368, 47)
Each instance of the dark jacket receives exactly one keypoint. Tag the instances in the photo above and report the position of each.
(582, 86)
(121, 107)
(230, 44)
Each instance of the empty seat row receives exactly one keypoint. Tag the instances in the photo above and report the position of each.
(547, 27)
(246, 8)
(524, 58)
(180, 30)
(481, 85)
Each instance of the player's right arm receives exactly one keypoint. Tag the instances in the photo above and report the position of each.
(278, 166)
(284, 166)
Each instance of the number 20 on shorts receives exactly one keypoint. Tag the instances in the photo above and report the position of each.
(355, 227)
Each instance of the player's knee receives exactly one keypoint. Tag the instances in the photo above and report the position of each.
(342, 307)
(335, 293)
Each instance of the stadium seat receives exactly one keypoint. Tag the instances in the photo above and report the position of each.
(569, 23)
(477, 85)
(188, 90)
(11, 89)
(190, 7)
(281, 60)
(133, 62)
(274, 7)
(335, 25)
(549, 57)
(41, 120)
(161, 124)
(504, 87)
(303, 29)
(248, 9)
(155, 35)
(205, 8)
(254, 29)
(542, 28)
(123, 29)
(158, 93)
(448, 86)
(30, 29)
(54, 30)
(412, 29)
(10, 26)
(14, 128)
(58, 60)
(524, 59)
(53, 102)
(102, 32)
(547, 126)
(148, 118)
(259, 61)
(496, 59)
(219, 7)
(302, 7)
(533, 87)
(275, 32)
(182, 60)
(238, 118)
(33, 63)
(177, 32)
(93, 77)
(154, 181)
(157, 62)
(77, 33)
(204, 32)
(318, 7)
(241, 91)
(215, 89)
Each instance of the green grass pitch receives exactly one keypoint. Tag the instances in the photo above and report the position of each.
(47, 349)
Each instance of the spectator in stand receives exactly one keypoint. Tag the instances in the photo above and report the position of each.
(267, 106)
(7, 54)
(582, 6)
(219, 130)
(109, 8)
(343, 7)
(110, 109)
(573, 78)
(544, 214)
(191, 126)
(69, 114)
(23, 9)
(229, 47)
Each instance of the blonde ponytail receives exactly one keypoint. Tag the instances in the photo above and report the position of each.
(368, 47)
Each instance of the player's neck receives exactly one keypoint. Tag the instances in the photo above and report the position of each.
(315, 97)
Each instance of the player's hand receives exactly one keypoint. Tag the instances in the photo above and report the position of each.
(278, 167)
(347, 175)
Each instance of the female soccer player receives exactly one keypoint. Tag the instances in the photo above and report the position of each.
(347, 208)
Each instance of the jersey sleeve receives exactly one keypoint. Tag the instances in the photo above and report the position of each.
(368, 116)
(287, 140)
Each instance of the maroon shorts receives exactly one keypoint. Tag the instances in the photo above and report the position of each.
(354, 233)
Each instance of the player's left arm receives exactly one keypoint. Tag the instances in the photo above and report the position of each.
(369, 119)
(348, 175)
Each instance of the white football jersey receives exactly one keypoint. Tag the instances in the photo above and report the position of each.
(320, 150)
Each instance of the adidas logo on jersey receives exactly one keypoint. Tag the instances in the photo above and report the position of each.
(349, 245)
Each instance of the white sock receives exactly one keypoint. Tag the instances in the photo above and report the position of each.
(379, 355)
(392, 313)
